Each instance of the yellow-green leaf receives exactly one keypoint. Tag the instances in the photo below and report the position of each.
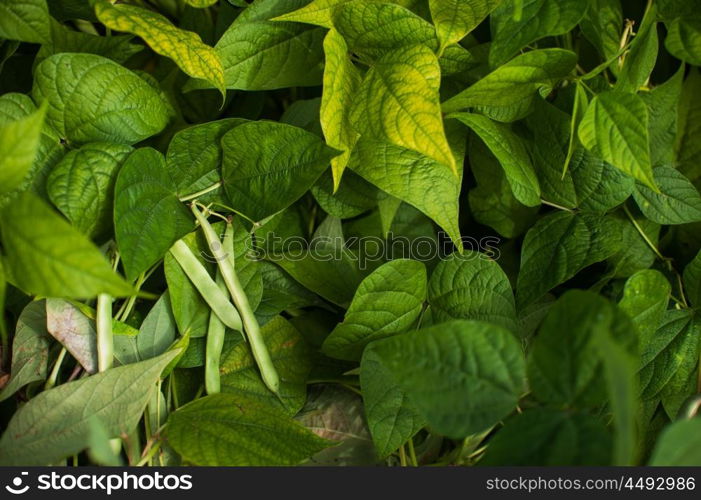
(185, 48)
(19, 141)
(454, 19)
(318, 12)
(398, 102)
(341, 81)
(200, 4)
(321, 12)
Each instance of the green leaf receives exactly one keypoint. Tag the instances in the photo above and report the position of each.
(14, 107)
(615, 127)
(620, 367)
(185, 48)
(641, 59)
(492, 202)
(353, 197)
(692, 281)
(678, 445)
(663, 104)
(636, 253)
(264, 157)
(418, 180)
(30, 349)
(158, 330)
(599, 185)
(74, 331)
(398, 103)
(688, 145)
(148, 217)
(602, 25)
(515, 84)
(82, 184)
(49, 257)
(19, 141)
(671, 355)
(471, 286)
(559, 246)
(550, 437)
(676, 202)
(455, 19)
(540, 18)
(126, 111)
(684, 39)
(281, 292)
(391, 417)
(227, 430)
(387, 302)
(327, 268)
(195, 154)
(462, 376)
(372, 29)
(550, 129)
(291, 357)
(319, 12)
(119, 48)
(258, 54)
(25, 20)
(55, 423)
(511, 153)
(565, 366)
(645, 298)
(341, 82)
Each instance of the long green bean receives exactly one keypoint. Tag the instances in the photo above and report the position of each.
(224, 255)
(105, 340)
(206, 286)
(215, 342)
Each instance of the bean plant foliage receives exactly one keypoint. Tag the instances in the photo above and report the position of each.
(350, 232)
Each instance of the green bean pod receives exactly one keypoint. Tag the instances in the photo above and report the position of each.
(206, 286)
(215, 343)
(105, 339)
(224, 255)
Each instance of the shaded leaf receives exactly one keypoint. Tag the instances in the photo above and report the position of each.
(462, 376)
(228, 430)
(148, 217)
(387, 302)
(55, 423)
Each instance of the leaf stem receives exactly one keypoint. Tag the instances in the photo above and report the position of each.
(202, 192)
(51, 381)
(643, 235)
(555, 205)
(402, 456)
(149, 454)
(412, 452)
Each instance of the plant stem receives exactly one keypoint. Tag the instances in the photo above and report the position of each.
(202, 192)
(149, 455)
(51, 381)
(555, 205)
(105, 342)
(643, 235)
(402, 456)
(412, 452)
